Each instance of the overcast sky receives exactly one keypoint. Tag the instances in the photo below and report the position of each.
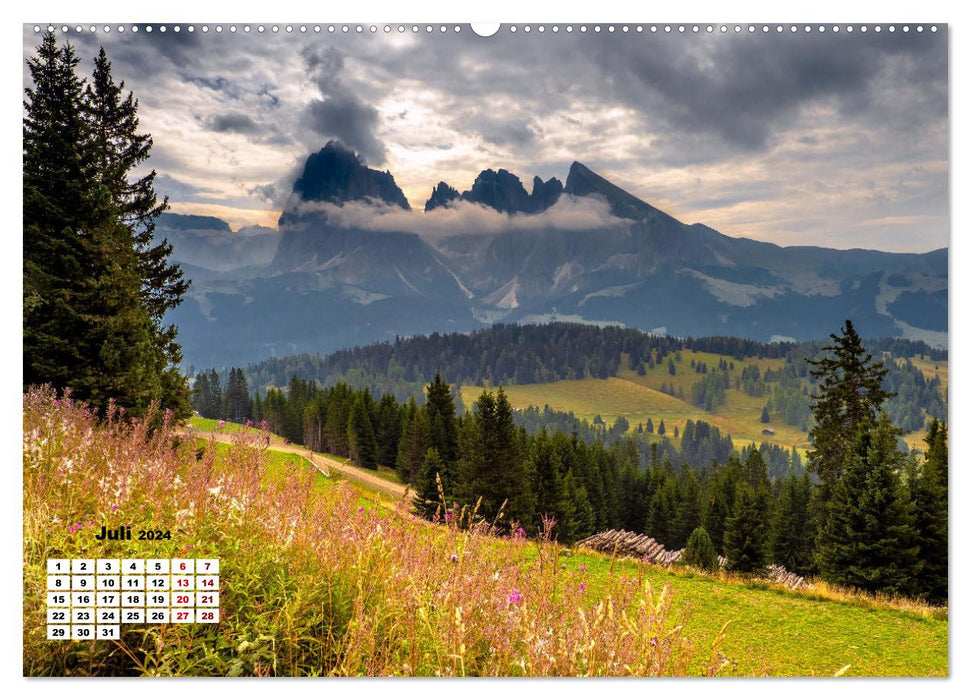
(828, 139)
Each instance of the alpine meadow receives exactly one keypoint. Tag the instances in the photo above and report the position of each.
(513, 432)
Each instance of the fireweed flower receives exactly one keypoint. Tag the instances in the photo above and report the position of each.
(515, 596)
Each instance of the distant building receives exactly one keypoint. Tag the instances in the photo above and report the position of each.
(768, 431)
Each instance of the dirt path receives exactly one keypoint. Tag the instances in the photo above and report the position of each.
(326, 465)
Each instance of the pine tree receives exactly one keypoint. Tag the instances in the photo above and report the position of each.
(58, 167)
(765, 414)
(868, 541)
(427, 499)
(414, 443)
(360, 436)
(388, 431)
(745, 533)
(699, 552)
(662, 515)
(443, 431)
(720, 500)
(650, 427)
(928, 496)
(793, 527)
(660, 428)
(688, 517)
(120, 150)
(547, 473)
(200, 393)
(492, 466)
(95, 288)
(850, 395)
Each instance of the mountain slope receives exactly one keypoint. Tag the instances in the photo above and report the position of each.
(354, 264)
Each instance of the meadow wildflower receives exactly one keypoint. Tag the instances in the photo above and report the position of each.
(515, 596)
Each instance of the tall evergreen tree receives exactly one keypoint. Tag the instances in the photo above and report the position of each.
(492, 466)
(360, 435)
(745, 533)
(427, 499)
(868, 540)
(662, 516)
(58, 167)
(443, 431)
(793, 527)
(928, 495)
(388, 430)
(95, 286)
(414, 444)
(850, 394)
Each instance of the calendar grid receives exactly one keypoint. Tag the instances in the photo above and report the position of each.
(89, 599)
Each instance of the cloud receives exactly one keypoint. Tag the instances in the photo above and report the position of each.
(466, 218)
(734, 130)
(339, 113)
(235, 122)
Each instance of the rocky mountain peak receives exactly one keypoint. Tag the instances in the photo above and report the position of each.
(337, 174)
(441, 196)
(500, 190)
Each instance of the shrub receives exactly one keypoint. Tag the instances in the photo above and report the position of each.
(700, 551)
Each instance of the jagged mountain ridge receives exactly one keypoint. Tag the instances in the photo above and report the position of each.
(332, 283)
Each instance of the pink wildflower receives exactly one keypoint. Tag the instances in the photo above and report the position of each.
(515, 596)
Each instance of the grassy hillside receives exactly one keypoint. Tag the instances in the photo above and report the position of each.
(639, 397)
(320, 578)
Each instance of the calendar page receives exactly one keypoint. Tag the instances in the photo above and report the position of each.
(533, 349)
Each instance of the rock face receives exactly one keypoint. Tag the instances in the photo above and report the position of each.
(441, 196)
(545, 194)
(500, 190)
(333, 283)
(336, 175)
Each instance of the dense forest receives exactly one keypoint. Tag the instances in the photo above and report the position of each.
(757, 506)
(512, 354)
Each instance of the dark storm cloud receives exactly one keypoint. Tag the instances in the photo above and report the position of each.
(742, 89)
(235, 122)
(340, 113)
(217, 84)
(763, 118)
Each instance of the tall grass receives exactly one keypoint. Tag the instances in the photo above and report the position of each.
(311, 582)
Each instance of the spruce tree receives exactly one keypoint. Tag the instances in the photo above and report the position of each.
(361, 440)
(95, 287)
(793, 527)
(547, 474)
(745, 533)
(388, 431)
(868, 541)
(849, 395)
(414, 443)
(492, 466)
(688, 517)
(928, 496)
(427, 499)
(59, 203)
(662, 515)
(443, 431)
